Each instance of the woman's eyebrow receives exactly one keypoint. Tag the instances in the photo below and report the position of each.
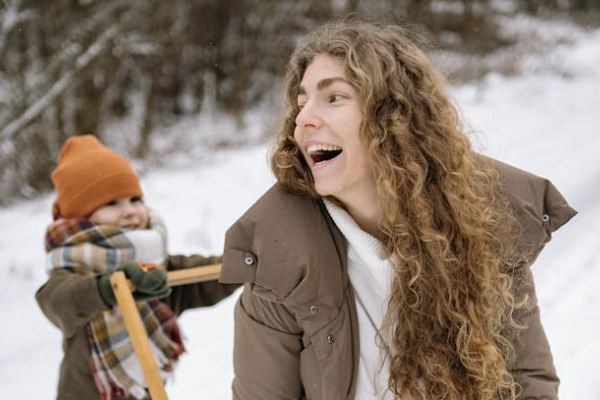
(323, 84)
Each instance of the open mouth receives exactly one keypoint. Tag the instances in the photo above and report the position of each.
(323, 152)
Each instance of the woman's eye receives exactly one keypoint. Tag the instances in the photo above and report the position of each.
(136, 199)
(335, 98)
(112, 203)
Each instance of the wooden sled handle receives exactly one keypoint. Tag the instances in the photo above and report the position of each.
(122, 288)
(190, 275)
(194, 275)
(137, 333)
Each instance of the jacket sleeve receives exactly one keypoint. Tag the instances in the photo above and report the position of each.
(267, 346)
(200, 294)
(533, 368)
(540, 209)
(69, 300)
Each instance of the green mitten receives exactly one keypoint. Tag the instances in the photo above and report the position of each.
(148, 284)
(105, 289)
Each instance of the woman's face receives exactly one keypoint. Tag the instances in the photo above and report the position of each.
(327, 130)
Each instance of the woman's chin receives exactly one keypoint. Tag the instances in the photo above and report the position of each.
(324, 188)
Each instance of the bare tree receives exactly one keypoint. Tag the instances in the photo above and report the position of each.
(12, 16)
(58, 88)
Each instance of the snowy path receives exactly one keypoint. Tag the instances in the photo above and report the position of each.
(542, 122)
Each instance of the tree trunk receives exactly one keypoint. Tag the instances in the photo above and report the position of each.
(149, 90)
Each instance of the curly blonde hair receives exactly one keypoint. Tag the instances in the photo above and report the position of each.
(448, 229)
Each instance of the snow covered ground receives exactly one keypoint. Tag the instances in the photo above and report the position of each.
(546, 121)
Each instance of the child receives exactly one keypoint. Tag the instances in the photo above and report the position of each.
(100, 225)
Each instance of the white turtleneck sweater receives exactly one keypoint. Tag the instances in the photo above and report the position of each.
(369, 269)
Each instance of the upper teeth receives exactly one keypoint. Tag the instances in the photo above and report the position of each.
(322, 147)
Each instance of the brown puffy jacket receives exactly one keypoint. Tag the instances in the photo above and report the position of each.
(296, 333)
(69, 300)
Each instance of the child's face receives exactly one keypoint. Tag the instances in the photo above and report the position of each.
(124, 212)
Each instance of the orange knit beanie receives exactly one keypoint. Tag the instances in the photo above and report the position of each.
(88, 176)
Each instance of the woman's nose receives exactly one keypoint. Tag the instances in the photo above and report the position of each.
(309, 116)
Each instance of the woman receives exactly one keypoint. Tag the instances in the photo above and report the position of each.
(390, 260)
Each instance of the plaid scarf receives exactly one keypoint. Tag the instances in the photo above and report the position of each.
(83, 247)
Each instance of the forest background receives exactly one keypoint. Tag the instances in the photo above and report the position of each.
(142, 74)
(191, 92)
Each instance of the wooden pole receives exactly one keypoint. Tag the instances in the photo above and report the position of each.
(189, 275)
(122, 288)
(138, 335)
(193, 275)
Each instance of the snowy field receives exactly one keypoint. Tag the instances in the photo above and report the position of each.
(546, 121)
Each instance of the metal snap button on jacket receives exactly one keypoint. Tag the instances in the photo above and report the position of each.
(313, 309)
(330, 338)
(249, 259)
(545, 218)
